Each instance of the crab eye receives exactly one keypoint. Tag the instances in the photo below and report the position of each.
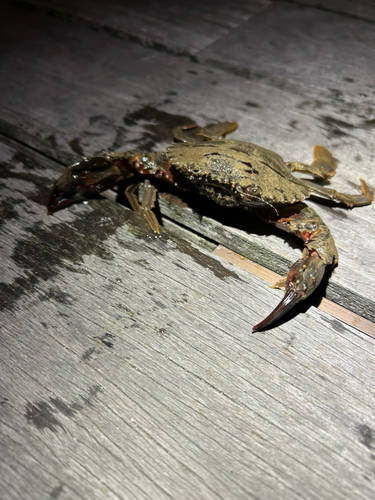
(252, 190)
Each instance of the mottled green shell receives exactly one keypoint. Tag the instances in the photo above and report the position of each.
(237, 173)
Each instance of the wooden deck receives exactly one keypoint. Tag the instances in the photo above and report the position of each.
(128, 366)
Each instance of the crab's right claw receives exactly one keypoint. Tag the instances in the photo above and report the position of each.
(83, 180)
(303, 278)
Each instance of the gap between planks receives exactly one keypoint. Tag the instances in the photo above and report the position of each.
(327, 306)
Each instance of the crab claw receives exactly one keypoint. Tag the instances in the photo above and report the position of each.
(83, 180)
(303, 278)
(61, 196)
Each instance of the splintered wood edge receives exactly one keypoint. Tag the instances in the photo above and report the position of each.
(327, 306)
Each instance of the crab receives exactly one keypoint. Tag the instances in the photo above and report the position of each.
(232, 173)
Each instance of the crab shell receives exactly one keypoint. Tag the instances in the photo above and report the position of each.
(237, 173)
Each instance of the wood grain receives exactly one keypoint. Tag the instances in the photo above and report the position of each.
(127, 364)
(70, 107)
(128, 369)
(338, 63)
(182, 29)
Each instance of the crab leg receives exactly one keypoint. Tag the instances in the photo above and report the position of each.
(147, 203)
(193, 133)
(351, 200)
(323, 167)
(318, 254)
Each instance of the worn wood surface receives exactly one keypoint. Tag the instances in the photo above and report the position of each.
(128, 367)
(88, 104)
(182, 29)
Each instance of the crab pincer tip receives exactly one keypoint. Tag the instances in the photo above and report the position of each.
(290, 299)
(51, 203)
(57, 200)
(303, 278)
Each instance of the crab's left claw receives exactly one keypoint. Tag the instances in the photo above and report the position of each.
(83, 180)
(61, 196)
(303, 278)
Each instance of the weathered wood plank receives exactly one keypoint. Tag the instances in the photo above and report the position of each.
(267, 40)
(180, 28)
(92, 104)
(321, 49)
(362, 9)
(187, 28)
(128, 369)
(58, 99)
